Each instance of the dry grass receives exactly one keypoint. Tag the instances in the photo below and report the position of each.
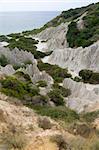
(15, 140)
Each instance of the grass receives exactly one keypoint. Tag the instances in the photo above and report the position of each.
(57, 113)
(90, 116)
(15, 140)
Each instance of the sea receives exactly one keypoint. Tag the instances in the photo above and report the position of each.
(15, 22)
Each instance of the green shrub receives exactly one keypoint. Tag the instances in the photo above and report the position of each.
(57, 73)
(94, 78)
(56, 97)
(63, 91)
(15, 35)
(3, 61)
(19, 75)
(18, 66)
(3, 38)
(41, 83)
(89, 76)
(85, 74)
(89, 34)
(16, 88)
(77, 79)
(26, 44)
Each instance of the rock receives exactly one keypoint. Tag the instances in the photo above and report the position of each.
(17, 56)
(81, 98)
(36, 75)
(45, 123)
(80, 22)
(39, 101)
(7, 70)
(76, 59)
(55, 37)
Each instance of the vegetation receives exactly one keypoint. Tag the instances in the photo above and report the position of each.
(89, 34)
(3, 38)
(56, 97)
(14, 35)
(15, 140)
(90, 116)
(3, 61)
(17, 66)
(77, 79)
(22, 76)
(65, 16)
(41, 83)
(57, 73)
(89, 76)
(11, 86)
(26, 44)
(60, 89)
(57, 113)
(60, 141)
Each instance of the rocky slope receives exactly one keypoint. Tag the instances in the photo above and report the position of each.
(76, 59)
(37, 71)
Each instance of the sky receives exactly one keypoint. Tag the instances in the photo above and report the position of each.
(42, 5)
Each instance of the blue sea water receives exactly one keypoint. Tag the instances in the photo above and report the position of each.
(13, 22)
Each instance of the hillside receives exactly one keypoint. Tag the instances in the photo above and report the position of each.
(49, 84)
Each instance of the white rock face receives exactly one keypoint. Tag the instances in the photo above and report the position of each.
(76, 59)
(80, 22)
(36, 75)
(81, 98)
(16, 56)
(7, 70)
(55, 37)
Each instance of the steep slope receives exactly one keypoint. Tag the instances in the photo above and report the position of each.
(76, 59)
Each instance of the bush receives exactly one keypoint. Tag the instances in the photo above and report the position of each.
(89, 76)
(41, 83)
(88, 35)
(3, 38)
(16, 88)
(3, 61)
(56, 97)
(22, 76)
(57, 73)
(63, 91)
(18, 66)
(77, 79)
(26, 44)
(85, 74)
